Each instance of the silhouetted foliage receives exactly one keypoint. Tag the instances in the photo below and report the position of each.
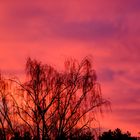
(51, 104)
(16, 136)
(27, 136)
(85, 134)
(116, 135)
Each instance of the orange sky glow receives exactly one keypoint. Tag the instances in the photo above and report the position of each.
(108, 31)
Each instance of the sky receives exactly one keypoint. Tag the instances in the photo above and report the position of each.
(108, 31)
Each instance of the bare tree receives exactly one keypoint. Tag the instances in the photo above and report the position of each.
(54, 104)
(6, 114)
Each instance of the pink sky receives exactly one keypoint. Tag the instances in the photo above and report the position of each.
(107, 30)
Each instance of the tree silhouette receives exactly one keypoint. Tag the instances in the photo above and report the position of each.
(58, 102)
(51, 104)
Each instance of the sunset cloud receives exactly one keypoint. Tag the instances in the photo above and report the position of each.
(51, 31)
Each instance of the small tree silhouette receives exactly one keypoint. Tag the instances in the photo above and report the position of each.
(6, 115)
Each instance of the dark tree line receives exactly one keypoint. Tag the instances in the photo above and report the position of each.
(117, 134)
